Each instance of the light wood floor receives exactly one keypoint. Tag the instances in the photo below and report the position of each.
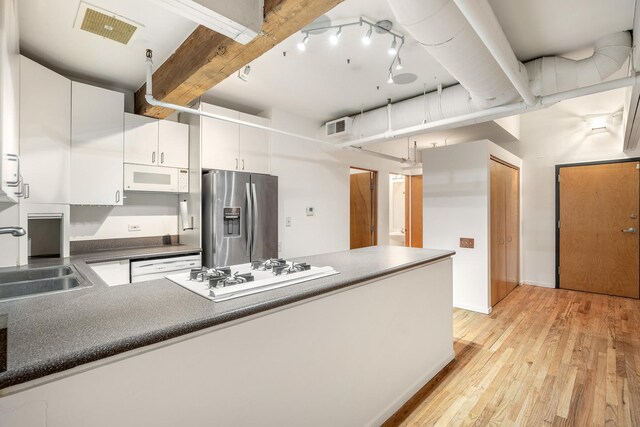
(543, 357)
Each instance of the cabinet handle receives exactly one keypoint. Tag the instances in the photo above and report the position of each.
(236, 164)
(153, 157)
(242, 164)
(14, 158)
(161, 158)
(27, 191)
(20, 191)
(118, 196)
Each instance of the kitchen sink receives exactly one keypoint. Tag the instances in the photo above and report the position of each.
(39, 281)
(34, 274)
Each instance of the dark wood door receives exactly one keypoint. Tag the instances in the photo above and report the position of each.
(598, 237)
(363, 210)
(413, 211)
(512, 227)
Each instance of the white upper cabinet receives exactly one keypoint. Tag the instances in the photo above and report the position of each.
(255, 150)
(153, 142)
(45, 134)
(220, 139)
(97, 145)
(173, 144)
(230, 146)
(140, 139)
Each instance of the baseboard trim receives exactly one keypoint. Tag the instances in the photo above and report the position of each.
(477, 309)
(413, 390)
(540, 284)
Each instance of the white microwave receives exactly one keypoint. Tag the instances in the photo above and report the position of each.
(155, 178)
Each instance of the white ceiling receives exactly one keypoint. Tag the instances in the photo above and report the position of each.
(47, 35)
(318, 83)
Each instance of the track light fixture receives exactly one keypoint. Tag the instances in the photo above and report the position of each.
(302, 45)
(383, 27)
(393, 49)
(366, 40)
(334, 38)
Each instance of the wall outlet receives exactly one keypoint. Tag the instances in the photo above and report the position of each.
(466, 242)
(287, 222)
(279, 246)
(310, 211)
(134, 227)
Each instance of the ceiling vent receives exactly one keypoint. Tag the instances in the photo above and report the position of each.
(339, 128)
(105, 24)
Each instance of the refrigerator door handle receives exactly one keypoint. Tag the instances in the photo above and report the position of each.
(254, 216)
(249, 224)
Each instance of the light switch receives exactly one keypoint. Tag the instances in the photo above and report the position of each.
(466, 242)
(288, 221)
(310, 211)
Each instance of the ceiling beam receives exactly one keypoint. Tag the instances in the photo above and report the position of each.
(206, 57)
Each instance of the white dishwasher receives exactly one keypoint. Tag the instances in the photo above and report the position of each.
(157, 268)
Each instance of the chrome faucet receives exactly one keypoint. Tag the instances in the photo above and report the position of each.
(14, 231)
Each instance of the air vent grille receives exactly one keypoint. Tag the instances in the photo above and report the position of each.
(105, 24)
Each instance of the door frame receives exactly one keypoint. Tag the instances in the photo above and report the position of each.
(374, 201)
(557, 195)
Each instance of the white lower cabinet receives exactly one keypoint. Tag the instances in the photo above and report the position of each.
(114, 273)
(97, 145)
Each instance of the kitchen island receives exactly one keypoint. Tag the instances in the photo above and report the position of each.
(348, 349)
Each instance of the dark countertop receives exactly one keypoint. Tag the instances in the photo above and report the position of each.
(56, 332)
(136, 253)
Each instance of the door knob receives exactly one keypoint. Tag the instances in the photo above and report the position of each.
(629, 230)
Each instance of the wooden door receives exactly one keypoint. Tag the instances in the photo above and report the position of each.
(498, 231)
(598, 237)
(413, 211)
(363, 210)
(512, 227)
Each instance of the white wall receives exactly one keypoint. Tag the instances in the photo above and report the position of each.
(157, 215)
(456, 204)
(317, 175)
(9, 125)
(549, 137)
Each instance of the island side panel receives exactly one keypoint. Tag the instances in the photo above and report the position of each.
(349, 358)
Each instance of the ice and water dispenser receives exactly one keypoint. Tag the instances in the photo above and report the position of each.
(231, 217)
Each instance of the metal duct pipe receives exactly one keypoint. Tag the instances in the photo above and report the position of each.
(486, 25)
(450, 39)
(552, 74)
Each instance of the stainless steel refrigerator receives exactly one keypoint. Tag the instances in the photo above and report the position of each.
(239, 217)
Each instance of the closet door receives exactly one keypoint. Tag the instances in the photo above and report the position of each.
(498, 231)
(512, 227)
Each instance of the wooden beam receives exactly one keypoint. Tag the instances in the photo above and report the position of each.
(206, 57)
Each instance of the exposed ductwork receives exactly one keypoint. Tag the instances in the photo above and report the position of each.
(552, 74)
(447, 35)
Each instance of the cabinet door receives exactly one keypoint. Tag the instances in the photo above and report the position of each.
(140, 139)
(174, 144)
(114, 273)
(97, 145)
(220, 140)
(255, 150)
(45, 133)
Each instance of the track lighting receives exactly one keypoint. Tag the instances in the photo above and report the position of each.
(399, 64)
(393, 49)
(333, 39)
(366, 40)
(244, 73)
(390, 79)
(302, 46)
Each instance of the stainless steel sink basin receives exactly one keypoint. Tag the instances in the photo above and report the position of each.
(37, 287)
(40, 281)
(34, 274)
